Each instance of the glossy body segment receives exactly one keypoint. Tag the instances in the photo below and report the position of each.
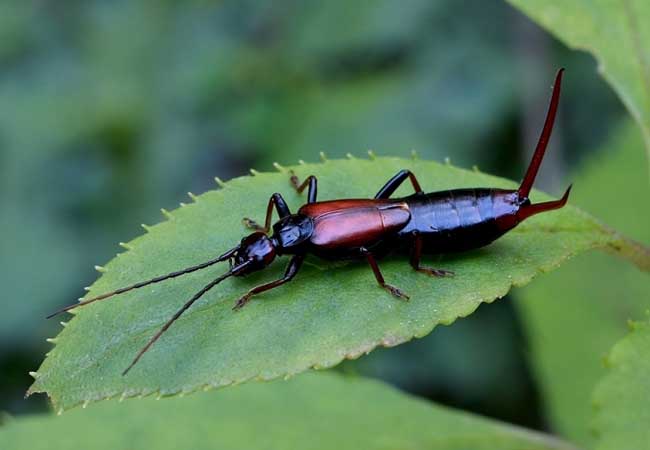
(341, 226)
(460, 219)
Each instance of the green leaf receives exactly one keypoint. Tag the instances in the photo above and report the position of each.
(572, 317)
(331, 311)
(616, 33)
(312, 411)
(622, 396)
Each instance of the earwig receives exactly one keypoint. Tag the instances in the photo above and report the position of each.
(438, 222)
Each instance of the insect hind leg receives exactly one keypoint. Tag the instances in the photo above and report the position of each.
(391, 185)
(416, 257)
(380, 278)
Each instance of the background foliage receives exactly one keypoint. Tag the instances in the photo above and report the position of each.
(317, 411)
(111, 111)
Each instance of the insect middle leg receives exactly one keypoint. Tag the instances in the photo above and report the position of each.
(292, 270)
(280, 206)
(311, 181)
(380, 278)
(416, 256)
(395, 182)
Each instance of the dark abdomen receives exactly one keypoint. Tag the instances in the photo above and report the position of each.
(460, 219)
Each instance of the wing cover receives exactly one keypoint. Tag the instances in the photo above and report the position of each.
(354, 223)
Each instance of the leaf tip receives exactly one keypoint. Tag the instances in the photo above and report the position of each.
(349, 156)
(193, 197)
(279, 168)
(100, 269)
(125, 246)
(414, 155)
(447, 161)
(254, 172)
(220, 182)
(372, 155)
(34, 375)
(323, 156)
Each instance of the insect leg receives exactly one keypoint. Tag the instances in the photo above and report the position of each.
(311, 181)
(380, 278)
(416, 256)
(280, 206)
(395, 182)
(292, 270)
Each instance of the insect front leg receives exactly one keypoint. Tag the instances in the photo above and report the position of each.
(292, 270)
(395, 182)
(380, 278)
(280, 206)
(311, 181)
(416, 256)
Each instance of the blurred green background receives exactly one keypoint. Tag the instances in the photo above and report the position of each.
(111, 110)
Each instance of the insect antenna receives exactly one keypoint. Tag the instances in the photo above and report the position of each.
(538, 156)
(184, 308)
(140, 284)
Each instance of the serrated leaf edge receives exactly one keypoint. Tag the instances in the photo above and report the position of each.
(386, 342)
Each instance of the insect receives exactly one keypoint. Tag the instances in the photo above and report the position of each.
(437, 222)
